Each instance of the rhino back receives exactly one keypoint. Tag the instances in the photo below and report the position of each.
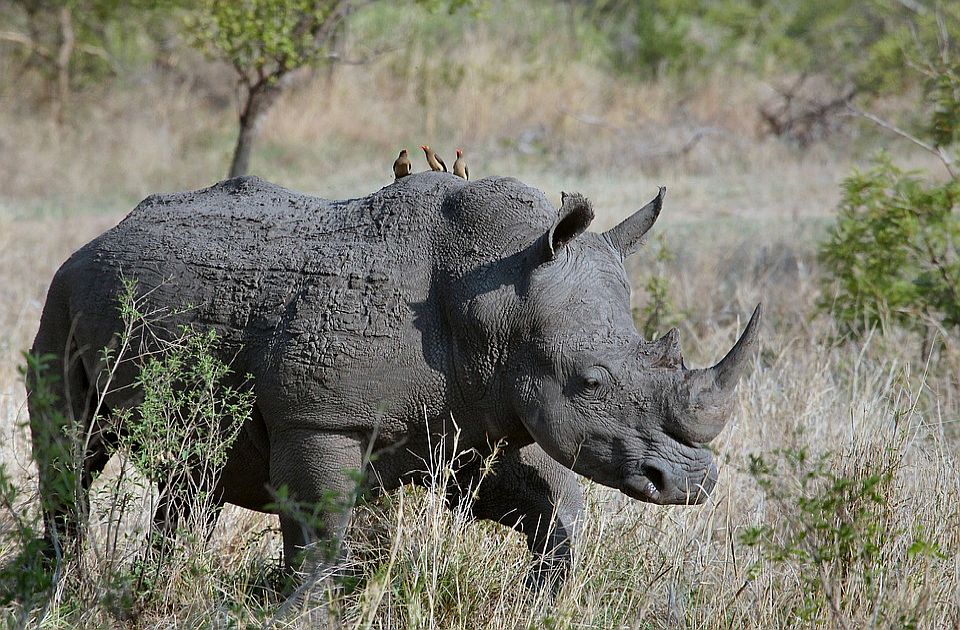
(328, 304)
(284, 278)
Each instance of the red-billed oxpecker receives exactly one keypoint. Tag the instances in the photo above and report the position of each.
(434, 160)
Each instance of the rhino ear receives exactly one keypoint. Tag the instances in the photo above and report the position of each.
(627, 236)
(573, 218)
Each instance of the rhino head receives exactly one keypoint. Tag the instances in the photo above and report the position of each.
(597, 397)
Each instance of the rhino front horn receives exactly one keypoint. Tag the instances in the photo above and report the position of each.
(710, 389)
(727, 372)
(628, 234)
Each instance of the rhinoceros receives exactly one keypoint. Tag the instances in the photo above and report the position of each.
(375, 325)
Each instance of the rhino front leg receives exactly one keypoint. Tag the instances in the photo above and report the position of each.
(316, 478)
(535, 495)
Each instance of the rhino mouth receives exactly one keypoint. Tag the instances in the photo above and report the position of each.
(642, 489)
(651, 485)
(647, 486)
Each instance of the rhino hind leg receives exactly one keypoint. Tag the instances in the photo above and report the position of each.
(532, 493)
(315, 477)
(245, 477)
(70, 446)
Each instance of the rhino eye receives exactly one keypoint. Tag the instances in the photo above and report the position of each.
(594, 379)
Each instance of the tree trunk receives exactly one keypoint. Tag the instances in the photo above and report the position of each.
(260, 97)
(64, 53)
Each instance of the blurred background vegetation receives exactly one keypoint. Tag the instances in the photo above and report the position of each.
(728, 70)
(810, 150)
(104, 102)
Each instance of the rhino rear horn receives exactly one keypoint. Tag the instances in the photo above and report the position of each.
(628, 234)
(711, 388)
(665, 351)
(573, 219)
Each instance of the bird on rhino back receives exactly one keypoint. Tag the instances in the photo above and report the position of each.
(365, 325)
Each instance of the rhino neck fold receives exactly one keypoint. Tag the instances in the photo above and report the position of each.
(484, 254)
(478, 352)
(476, 362)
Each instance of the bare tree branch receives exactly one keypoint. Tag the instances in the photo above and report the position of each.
(589, 119)
(27, 42)
(934, 150)
(369, 57)
(696, 134)
(802, 118)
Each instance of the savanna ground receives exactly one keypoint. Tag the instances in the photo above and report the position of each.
(837, 502)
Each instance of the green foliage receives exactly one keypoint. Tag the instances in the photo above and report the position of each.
(29, 572)
(849, 42)
(894, 249)
(265, 41)
(91, 37)
(797, 36)
(266, 37)
(54, 431)
(942, 91)
(892, 255)
(188, 416)
(834, 525)
(178, 436)
(26, 576)
(659, 313)
(652, 38)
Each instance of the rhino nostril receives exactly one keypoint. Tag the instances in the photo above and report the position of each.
(655, 476)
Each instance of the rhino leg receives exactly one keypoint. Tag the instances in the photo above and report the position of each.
(246, 474)
(315, 476)
(535, 495)
(70, 446)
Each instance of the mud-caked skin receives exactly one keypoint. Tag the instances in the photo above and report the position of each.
(380, 324)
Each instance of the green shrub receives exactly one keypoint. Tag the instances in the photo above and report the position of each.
(892, 255)
(660, 312)
(26, 577)
(178, 437)
(648, 39)
(187, 416)
(837, 528)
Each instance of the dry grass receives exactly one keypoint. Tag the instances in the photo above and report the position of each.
(516, 104)
(742, 217)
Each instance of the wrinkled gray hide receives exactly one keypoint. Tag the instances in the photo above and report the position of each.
(381, 319)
